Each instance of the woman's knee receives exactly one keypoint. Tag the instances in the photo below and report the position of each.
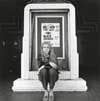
(53, 77)
(43, 72)
(52, 72)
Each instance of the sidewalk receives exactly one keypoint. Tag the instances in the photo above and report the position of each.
(93, 93)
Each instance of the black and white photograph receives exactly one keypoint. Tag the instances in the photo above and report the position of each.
(49, 50)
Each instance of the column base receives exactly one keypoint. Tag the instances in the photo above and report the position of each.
(61, 85)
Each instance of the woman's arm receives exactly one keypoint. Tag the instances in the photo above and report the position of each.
(40, 64)
(40, 68)
(53, 60)
(53, 64)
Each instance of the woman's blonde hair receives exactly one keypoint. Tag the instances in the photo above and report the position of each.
(51, 51)
(47, 43)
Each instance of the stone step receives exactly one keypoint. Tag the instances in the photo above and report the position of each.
(61, 85)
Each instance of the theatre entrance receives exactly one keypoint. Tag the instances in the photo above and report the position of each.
(54, 23)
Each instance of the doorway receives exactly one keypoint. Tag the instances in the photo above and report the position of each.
(51, 27)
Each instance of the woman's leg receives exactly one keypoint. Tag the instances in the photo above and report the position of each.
(53, 76)
(44, 77)
(44, 80)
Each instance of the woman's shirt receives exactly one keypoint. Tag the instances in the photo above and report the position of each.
(44, 59)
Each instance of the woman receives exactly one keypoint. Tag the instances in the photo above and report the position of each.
(48, 70)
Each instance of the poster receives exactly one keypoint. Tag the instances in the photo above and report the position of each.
(50, 32)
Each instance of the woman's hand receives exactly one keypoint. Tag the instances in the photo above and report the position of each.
(40, 68)
(53, 64)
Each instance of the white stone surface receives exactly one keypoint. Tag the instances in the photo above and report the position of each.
(62, 75)
(61, 85)
(73, 57)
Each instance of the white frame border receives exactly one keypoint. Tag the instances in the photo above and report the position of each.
(73, 57)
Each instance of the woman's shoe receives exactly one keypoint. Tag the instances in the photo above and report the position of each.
(45, 97)
(51, 96)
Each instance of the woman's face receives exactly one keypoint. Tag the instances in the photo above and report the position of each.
(46, 48)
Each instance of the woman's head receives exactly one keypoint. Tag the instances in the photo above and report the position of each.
(46, 47)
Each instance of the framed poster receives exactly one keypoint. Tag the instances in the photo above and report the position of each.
(51, 32)
(50, 28)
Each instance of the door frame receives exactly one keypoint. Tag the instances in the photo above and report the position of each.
(73, 58)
